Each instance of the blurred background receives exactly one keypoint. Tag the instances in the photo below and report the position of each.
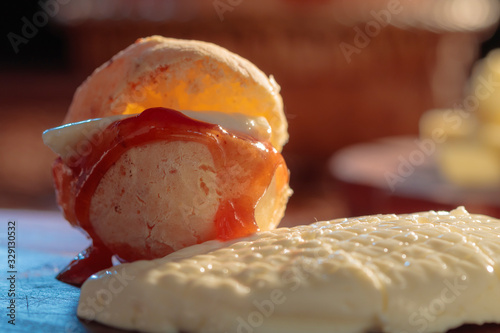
(359, 80)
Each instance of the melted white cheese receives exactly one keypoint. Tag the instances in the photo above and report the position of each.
(70, 139)
(425, 272)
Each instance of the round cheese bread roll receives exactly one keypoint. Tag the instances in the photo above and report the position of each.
(182, 75)
(169, 144)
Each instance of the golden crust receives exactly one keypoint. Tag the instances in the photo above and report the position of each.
(182, 75)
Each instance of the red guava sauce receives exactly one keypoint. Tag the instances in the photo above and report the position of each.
(77, 178)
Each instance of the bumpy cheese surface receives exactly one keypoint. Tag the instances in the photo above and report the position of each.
(422, 272)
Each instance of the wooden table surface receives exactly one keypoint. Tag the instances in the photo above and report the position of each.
(45, 243)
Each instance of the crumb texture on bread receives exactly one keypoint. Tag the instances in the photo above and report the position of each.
(147, 210)
(422, 272)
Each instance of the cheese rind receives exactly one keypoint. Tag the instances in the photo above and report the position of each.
(423, 272)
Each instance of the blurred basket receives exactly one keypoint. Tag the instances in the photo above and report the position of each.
(417, 61)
